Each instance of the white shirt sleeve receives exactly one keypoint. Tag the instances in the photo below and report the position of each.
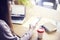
(8, 34)
(27, 35)
(6, 31)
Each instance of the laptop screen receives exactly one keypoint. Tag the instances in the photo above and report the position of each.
(18, 13)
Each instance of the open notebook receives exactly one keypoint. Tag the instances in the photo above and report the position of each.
(32, 21)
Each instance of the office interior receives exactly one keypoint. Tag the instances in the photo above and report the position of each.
(37, 13)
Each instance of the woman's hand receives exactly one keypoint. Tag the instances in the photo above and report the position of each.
(31, 27)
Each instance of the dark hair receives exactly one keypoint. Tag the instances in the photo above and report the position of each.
(4, 12)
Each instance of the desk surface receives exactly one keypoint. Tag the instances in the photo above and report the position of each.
(20, 30)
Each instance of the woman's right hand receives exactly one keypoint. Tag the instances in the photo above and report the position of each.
(31, 27)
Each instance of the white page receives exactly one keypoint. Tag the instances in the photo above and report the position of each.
(33, 21)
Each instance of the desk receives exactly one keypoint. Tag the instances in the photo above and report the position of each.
(19, 29)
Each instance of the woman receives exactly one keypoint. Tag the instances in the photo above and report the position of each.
(6, 29)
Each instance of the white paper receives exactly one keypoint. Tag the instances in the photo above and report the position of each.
(32, 21)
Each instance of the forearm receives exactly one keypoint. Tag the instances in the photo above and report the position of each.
(27, 35)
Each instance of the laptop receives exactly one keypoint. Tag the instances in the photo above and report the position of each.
(18, 14)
